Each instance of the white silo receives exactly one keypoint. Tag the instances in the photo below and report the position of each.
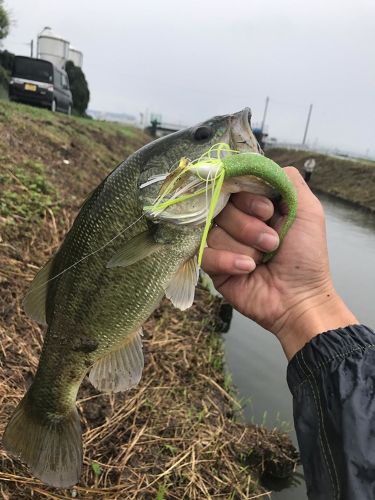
(76, 56)
(52, 47)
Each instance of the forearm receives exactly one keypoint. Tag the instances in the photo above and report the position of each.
(332, 382)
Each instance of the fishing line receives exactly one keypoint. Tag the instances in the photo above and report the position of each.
(85, 257)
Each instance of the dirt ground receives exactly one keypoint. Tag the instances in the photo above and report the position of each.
(179, 433)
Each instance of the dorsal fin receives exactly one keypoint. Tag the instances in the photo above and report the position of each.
(138, 248)
(181, 289)
(35, 300)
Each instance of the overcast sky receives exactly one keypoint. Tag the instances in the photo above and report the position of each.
(189, 60)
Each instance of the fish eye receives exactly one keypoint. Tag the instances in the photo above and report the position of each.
(203, 133)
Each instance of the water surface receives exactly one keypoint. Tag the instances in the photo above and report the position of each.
(253, 355)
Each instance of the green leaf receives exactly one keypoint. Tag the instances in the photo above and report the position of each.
(97, 470)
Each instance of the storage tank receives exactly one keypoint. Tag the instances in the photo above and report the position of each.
(76, 56)
(52, 47)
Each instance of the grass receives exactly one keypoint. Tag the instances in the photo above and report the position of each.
(351, 180)
(27, 192)
(162, 491)
(3, 93)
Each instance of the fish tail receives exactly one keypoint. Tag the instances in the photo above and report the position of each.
(50, 445)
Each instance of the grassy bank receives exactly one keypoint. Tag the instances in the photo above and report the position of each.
(178, 434)
(347, 179)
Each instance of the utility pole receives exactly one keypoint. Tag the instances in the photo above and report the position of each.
(31, 48)
(307, 124)
(265, 113)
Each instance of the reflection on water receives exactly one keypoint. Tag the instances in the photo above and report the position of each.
(358, 219)
(254, 356)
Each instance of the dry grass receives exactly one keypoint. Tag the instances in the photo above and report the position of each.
(176, 432)
(177, 435)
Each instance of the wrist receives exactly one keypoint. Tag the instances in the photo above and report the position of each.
(311, 317)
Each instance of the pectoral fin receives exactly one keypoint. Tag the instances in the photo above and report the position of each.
(181, 289)
(122, 369)
(136, 249)
(35, 300)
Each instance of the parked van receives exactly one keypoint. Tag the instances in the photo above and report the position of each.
(36, 81)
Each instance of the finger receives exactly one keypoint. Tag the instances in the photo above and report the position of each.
(278, 220)
(218, 239)
(247, 229)
(223, 262)
(253, 204)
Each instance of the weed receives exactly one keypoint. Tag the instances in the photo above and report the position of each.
(27, 192)
(162, 491)
(97, 470)
(171, 448)
(201, 415)
(215, 352)
(228, 382)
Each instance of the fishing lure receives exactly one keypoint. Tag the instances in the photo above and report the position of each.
(212, 169)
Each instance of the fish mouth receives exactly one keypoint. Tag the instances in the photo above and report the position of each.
(241, 136)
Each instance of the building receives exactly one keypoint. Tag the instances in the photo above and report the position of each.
(56, 49)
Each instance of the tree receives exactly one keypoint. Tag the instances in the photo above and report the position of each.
(6, 60)
(4, 21)
(6, 64)
(78, 87)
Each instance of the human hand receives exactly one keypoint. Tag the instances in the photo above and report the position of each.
(292, 295)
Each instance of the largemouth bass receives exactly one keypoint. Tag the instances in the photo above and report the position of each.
(108, 276)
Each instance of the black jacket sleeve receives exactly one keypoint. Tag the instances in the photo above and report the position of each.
(332, 380)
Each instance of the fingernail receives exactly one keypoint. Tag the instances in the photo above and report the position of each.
(268, 242)
(244, 264)
(261, 208)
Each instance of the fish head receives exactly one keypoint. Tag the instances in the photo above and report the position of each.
(161, 160)
(164, 154)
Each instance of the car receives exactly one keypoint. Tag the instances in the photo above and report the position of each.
(39, 82)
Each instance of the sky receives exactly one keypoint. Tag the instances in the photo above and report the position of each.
(189, 60)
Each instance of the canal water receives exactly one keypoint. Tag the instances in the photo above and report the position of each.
(253, 355)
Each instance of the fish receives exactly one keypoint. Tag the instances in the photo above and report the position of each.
(110, 273)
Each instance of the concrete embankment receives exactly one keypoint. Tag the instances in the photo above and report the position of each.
(351, 180)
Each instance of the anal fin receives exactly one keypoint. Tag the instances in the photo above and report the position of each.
(181, 289)
(121, 369)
